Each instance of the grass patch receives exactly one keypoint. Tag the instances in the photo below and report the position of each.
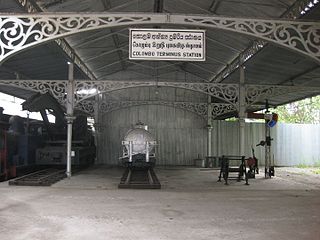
(316, 171)
(302, 165)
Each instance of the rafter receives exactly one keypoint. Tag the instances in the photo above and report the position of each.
(223, 44)
(293, 12)
(214, 6)
(158, 6)
(115, 38)
(194, 6)
(95, 39)
(106, 53)
(291, 79)
(128, 3)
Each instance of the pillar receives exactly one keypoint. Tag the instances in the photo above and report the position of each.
(97, 127)
(70, 117)
(242, 112)
(209, 128)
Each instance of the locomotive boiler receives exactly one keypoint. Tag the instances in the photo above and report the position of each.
(138, 156)
(138, 147)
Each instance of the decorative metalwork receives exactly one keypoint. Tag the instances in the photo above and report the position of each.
(19, 32)
(218, 109)
(32, 7)
(23, 31)
(87, 106)
(294, 12)
(255, 93)
(87, 89)
(225, 92)
(201, 109)
(302, 37)
(57, 88)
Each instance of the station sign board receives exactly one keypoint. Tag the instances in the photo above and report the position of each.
(167, 44)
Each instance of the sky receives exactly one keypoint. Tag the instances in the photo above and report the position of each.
(12, 106)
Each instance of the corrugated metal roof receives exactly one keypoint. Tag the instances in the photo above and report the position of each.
(105, 51)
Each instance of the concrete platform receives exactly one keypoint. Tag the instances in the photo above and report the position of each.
(191, 205)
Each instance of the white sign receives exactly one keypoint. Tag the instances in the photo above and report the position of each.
(167, 44)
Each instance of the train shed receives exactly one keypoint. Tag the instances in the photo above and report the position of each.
(183, 68)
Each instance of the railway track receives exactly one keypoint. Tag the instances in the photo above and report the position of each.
(45, 177)
(137, 178)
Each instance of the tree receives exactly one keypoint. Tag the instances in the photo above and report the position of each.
(304, 111)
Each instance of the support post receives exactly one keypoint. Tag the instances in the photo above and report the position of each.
(147, 151)
(70, 117)
(267, 173)
(97, 127)
(209, 128)
(130, 151)
(242, 112)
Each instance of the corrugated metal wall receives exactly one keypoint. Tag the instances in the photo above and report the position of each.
(297, 144)
(293, 144)
(182, 136)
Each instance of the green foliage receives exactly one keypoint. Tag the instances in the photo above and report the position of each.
(304, 111)
(302, 165)
(316, 171)
(232, 119)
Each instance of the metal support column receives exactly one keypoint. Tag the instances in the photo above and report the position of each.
(97, 127)
(70, 117)
(269, 166)
(242, 112)
(267, 172)
(209, 129)
(130, 151)
(147, 152)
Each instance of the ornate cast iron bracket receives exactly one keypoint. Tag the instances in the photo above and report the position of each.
(255, 93)
(200, 109)
(19, 32)
(88, 89)
(225, 92)
(57, 88)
